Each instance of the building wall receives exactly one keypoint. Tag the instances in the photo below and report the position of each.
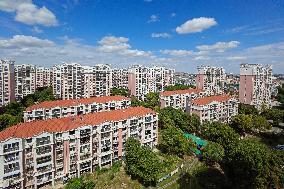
(7, 82)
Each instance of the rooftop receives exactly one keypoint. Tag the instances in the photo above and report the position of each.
(30, 129)
(75, 102)
(185, 91)
(209, 99)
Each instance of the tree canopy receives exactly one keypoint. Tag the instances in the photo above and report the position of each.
(83, 182)
(251, 164)
(173, 142)
(141, 162)
(220, 133)
(213, 152)
(178, 87)
(242, 123)
(247, 109)
(119, 91)
(179, 119)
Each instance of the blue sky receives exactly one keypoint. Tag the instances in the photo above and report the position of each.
(180, 34)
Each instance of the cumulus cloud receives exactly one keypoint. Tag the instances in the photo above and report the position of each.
(219, 46)
(153, 18)
(28, 13)
(177, 52)
(24, 41)
(36, 29)
(202, 58)
(160, 35)
(196, 25)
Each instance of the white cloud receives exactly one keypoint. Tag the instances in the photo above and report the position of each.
(173, 14)
(28, 13)
(236, 58)
(196, 25)
(160, 35)
(219, 46)
(177, 52)
(202, 58)
(19, 41)
(36, 29)
(113, 44)
(153, 18)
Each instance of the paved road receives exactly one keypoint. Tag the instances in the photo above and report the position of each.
(188, 167)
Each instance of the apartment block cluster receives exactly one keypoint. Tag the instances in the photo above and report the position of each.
(209, 101)
(74, 81)
(79, 136)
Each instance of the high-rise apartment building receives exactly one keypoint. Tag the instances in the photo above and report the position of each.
(120, 78)
(89, 81)
(7, 82)
(142, 80)
(103, 78)
(255, 85)
(211, 79)
(25, 77)
(67, 81)
(43, 77)
(36, 154)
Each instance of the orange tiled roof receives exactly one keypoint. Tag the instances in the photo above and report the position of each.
(29, 129)
(169, 93)
(209, 99)
(74, 102)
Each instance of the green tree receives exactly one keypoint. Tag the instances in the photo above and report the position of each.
(213, 152)
(247, 109)
(173, 142)
(260, 123)
(179, 119)
(152, 101)
(178, 87)
(14, 109)
(242, 123)
(280, 95)
(250, 164)
(119, 91)
(135, 102)
(7, 120)
(83, 182)
(274, 114)
(220, 133)
(141, 162)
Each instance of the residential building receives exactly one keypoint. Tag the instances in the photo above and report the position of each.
(67, 81)
(180, 99)
(142, 80)
(138, 81)
(43, 77)
(103, 78)
(211, 79)
(120, 78)
(89, 82)
(72, 107)
(38, 153)
(184, 78)
(255, 85)
(25, 77)
(7, 82)
(214, 108)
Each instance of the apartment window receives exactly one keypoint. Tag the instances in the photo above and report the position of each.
(72, 132)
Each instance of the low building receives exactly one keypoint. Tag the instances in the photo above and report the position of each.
(72, 107)
(35, 154)
(215, 108)
(180, 99)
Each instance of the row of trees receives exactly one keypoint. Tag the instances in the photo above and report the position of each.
(12, 113)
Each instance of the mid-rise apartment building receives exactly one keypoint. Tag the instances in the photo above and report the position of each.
(142, 80)
(67, 81)
(7, 82)
(25, 77)
(72, 107)
(38, 153)
(89, 82)
(120, 78)
(211, 79)
(180, 99)
(255, 85)
(215, 108)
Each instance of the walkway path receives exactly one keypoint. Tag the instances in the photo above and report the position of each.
(188, 167)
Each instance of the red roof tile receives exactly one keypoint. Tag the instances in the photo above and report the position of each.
(169, 93)
(209, 99)
(74, 102)
(29, 129)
